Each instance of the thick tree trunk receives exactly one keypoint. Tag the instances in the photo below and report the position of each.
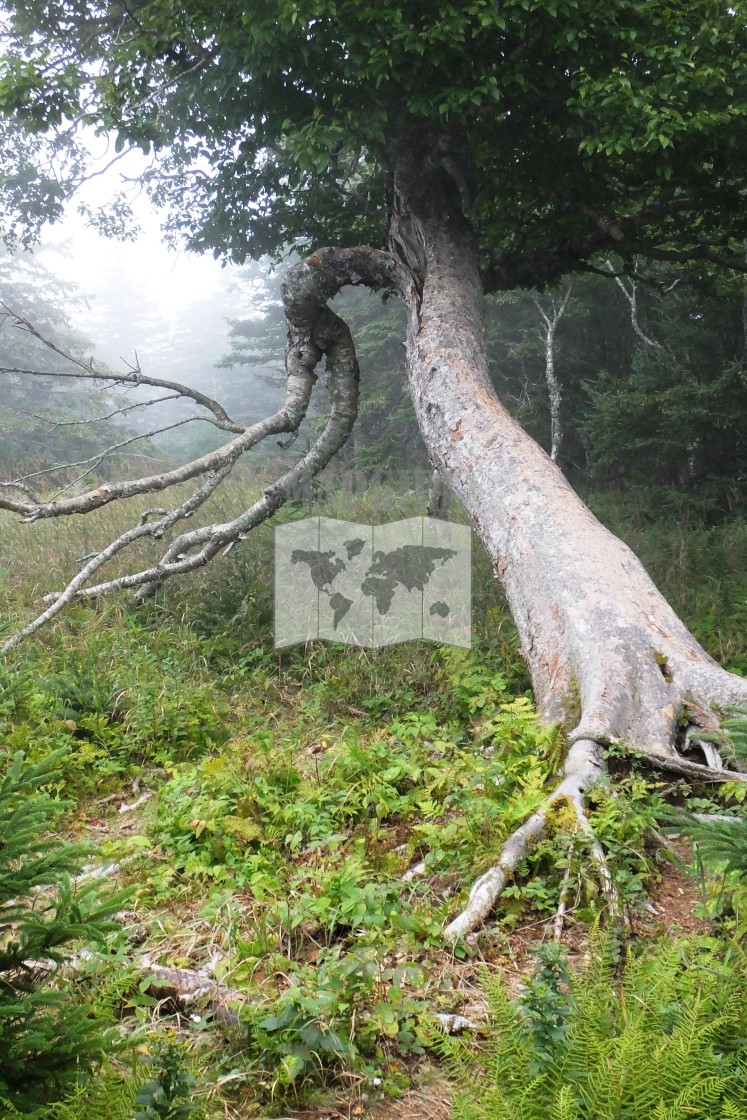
(607, 654)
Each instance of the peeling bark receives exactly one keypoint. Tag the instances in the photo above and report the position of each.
(438, 496)
(604, 648)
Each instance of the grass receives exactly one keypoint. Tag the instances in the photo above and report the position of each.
(291, 791)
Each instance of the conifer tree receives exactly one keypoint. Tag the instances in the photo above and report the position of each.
(48, 1035)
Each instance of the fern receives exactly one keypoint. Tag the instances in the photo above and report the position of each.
(110, 1095)
(659, 1042)
(48, 1034)
(724, 841)
(731, 1111)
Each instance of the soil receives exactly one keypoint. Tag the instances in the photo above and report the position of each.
(675, 899)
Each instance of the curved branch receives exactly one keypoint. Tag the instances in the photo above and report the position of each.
(313, 330)
(306, 290)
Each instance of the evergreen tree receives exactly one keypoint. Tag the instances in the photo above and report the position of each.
(48, 1035)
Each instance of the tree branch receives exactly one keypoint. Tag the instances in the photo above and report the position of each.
(135, 376)
(98, 457)
(313, 331)
(144, 528)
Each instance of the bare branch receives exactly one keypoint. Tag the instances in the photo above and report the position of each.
(551, 377)
(54, 425)
(99, 456)
(144, 528)
(135, 376)
(20, 486)
(286, 419)
(631, 295)
(313, 330)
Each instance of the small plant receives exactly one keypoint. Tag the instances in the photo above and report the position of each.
(546, 1005)
(347, 1011)
(168, 1095)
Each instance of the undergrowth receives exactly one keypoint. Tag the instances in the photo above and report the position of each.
(658, 1037)
(289, 795)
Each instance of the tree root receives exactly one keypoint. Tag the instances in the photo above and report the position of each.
(583, 768)
(674, 762)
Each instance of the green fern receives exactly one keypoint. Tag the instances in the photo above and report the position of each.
(724, 841)
(731, 1111)
(48, 1035)
(111, 1096)
(660, 1041)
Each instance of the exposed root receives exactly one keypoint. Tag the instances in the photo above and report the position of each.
(488, 887)
(584, 766)
(674, 762)
(714, 761)
(189, 988)
(596, 851)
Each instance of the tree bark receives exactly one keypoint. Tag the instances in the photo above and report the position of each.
(608, 656)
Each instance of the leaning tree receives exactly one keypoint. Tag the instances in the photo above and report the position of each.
(443, 151)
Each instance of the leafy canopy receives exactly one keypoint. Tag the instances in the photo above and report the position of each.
(567, 125)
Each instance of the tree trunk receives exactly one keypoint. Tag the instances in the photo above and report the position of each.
(608, 656)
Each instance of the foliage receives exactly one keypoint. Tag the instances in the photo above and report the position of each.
(168, 1096)
(290, 793)
(720, 845)
(108, 1096)
(115, 703)
(659, 1039)
(308, 839)
(48, 1035)
(631, 107)
(546, 1005)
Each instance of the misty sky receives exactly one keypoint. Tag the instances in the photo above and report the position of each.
(144, 269)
